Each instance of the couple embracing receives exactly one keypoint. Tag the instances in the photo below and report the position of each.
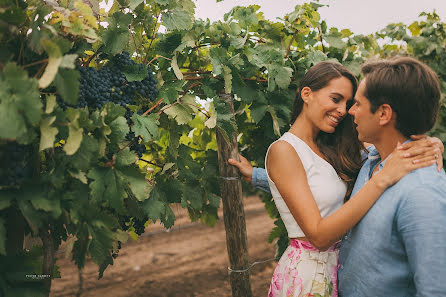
(349, 168)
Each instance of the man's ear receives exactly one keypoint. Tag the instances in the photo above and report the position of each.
(305, 94)
(386, 114)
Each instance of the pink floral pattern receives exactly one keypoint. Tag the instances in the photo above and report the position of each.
(303, 271)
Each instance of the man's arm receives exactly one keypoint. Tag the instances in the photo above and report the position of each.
(260, 179)
(256, 176)
(421, 222)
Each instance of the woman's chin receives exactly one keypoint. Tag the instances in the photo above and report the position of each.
(329, 129)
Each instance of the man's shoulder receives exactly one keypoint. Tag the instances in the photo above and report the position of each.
(423, 186)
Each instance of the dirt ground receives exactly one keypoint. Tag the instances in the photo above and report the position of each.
(189, 260)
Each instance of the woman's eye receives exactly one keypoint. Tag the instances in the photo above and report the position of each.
(335, 100)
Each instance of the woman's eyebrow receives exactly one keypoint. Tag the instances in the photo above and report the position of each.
(337, 94)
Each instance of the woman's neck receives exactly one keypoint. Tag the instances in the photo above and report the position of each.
(304, 129)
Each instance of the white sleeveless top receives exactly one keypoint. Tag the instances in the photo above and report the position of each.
(327, 187)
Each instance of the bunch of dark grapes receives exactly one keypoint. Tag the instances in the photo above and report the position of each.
(138, 225)
(15, 159)
(109, 84)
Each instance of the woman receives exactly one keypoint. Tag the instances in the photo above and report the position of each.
(311, 169)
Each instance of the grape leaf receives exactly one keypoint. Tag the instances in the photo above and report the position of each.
(135, 73)
(119, 129)
(106, 186)
(145, 126)
(153, 207)
(125, 157)
(180, 112)
(67, 84)
(177, 19)
(19, 102)
(136, 181)
(48, 133)
(74, 140)
(50, 72)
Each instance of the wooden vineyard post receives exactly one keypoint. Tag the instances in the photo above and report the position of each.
(233, 212)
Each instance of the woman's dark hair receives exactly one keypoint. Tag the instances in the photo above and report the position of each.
(341, 148)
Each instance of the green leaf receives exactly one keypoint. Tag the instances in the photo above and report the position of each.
(247, 15)
(228, 79)
(68, 61)
(80, 175)
(258, 112)
(41, 202)
(212, 121)
(169, 91)
(135, 73)
(281, 75)
(106, 186)
(48, 133)
(335, 41)
(20, 102)
(86, 155)
(125, 157)
(2, 237)
(136, 182)
(214, 200)
(192, 196)
(50, 103)
(176, 69)
(145, 126)
(153, 207)
(162, 2)
(74, 140)
(67, 84)
(115, 40)
(177, 19)
(276, 127)
(119, 129)
(180, 112)
(168, 219)
(50, 72)
(135, 3)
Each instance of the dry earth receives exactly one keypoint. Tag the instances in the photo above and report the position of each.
(190, 260)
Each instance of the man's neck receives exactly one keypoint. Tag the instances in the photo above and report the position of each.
(388, 142)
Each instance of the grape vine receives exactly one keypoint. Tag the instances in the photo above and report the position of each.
(94, 147)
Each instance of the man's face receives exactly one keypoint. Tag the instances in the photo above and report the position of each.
(367, 123)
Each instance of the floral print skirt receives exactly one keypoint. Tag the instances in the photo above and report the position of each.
(304, 271)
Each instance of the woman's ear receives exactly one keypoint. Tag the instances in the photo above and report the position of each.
(305, 94)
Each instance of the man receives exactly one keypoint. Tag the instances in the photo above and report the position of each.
(399, 247)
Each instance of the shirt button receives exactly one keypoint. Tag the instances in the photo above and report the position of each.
(341, 267)
(345, 237)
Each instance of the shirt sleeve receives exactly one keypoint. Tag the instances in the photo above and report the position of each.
(421, 222)
(260, 179)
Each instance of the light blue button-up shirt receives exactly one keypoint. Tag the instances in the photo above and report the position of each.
(399, 248)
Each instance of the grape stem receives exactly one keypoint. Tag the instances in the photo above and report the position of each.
(157, 57)
(289, 44)
(36, 63)
(153, 107)
(151, 163)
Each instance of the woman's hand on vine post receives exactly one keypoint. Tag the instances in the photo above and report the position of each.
(244, 166)
(425, 148)
(399, 163)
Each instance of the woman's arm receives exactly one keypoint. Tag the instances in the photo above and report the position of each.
(287, 172)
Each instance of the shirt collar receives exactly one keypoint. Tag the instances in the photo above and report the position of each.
(374, 154)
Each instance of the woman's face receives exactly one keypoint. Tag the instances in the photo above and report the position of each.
(327, 107)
